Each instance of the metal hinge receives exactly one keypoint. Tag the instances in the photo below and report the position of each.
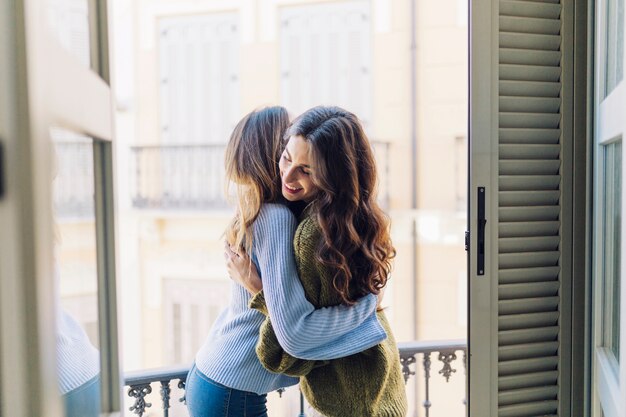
(467, 240)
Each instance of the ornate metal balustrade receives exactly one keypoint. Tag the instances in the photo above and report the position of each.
(447, 354)
(178, 177)
(139, 387)
(139, 383)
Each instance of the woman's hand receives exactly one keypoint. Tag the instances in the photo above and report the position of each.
(242, 270)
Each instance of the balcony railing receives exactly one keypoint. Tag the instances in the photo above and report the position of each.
(191, 177)
(163, 177)
(178, 177)
(139, 383)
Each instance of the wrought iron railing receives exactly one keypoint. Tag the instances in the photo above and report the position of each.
(178, 177)
(139, 383)
(447, 354)
(191, 177)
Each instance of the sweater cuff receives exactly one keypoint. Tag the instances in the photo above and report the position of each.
(257, 302)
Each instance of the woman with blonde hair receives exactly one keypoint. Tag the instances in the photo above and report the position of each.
(227, 378)
(343, 251)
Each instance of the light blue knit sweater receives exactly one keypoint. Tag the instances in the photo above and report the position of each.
(228, 355)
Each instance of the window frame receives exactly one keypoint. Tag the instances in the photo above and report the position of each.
(607, 376)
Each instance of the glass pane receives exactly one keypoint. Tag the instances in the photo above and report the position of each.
(69, 21)
(611, 264)
(76, 274)
(614, 44)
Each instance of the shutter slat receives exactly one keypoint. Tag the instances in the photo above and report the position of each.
(521, 275)
(528, 395)
(528, 229)
(529, 167)
(528, 9)
(529, 72)
(529, 151)
(528, 321)
(516, 337)
(529, 57)
(525, 214)
(528, 380)
(529, 182)
(530, 136)
(530, 41)
(527, 351)
(530, 25)
(542, 408)
(521, 305)
(547, 363)
(530, 120)
(529, 88)
(528, 260)
(528, 198)
(528, 244)
(529, 104)
(528, 290)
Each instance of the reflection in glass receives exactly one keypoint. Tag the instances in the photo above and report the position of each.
(614, 13)
(68, 20)
(76, 274)
(611, 225)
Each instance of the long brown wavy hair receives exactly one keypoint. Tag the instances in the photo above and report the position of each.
(251, 161)
(356, 245)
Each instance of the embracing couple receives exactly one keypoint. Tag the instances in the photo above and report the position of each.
(310, 252)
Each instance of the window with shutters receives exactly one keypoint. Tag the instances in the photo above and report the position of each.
(325, 57)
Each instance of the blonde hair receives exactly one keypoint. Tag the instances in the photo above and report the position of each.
(251, 160)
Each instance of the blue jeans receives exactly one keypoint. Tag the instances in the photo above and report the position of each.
(84, 401)
(207, 398)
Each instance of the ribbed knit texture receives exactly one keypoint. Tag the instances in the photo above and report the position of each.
(78, 361)
(366, 384)
(228, 354)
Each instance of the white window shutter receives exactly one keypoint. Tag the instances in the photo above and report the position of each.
(199, 72)
(325, 57)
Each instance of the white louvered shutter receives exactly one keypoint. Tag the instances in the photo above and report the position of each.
(527, 266)
(325, 57)
(199, 77)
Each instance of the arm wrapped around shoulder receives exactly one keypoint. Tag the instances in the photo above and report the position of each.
(275, 359)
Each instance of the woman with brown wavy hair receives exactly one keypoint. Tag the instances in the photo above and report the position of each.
(343, 251)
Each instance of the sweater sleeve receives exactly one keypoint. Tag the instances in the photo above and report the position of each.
(301, 330)
(275, 359)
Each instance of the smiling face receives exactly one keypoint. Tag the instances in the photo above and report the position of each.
(296, 170)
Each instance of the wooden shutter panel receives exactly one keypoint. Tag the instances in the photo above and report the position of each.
(530, 239)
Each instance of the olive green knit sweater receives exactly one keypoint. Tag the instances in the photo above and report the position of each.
(367, 384)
